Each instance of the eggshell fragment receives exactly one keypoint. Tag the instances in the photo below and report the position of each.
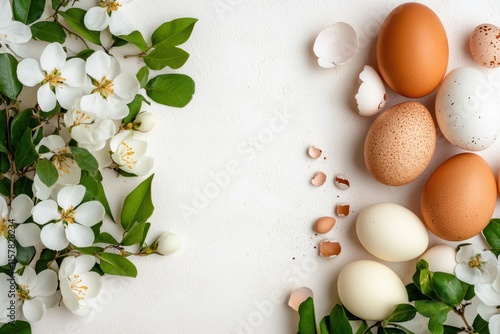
(371, 96)
(484, 45)
(335, 45)
(298, 296)
(314, 152)
(341, 182)
(324, 224)
(441, 258)
(318, 179)
(329, 248)
(342, 210)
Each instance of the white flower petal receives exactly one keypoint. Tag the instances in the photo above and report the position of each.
(494, 325)
(94, 105)
(117, 140)
(70, 299)
(465, 253)
(67, 95)
(96, 19)
(17, 32)
(487, 294)
(29, 72)
(33, 310)
(94, 283)
(485, 311)
(116, 108)
(45, 211)
(74, 72)
(114, 68)
(28, 277)
(467, 274)
(70, 196)
(53, 57)
(45, 285)
(119, 24)
(21, 208)
(54, 236)
(52, 142)
(68, 266)
(28, 234)
(4, 209)
(83, 263)
(4, 247)
(89, 213)
(5, 12)
(126, 86)
(79, 235)
(49, 301)
(143, 166)
(98, 65)
(46, 98)
(103, 158)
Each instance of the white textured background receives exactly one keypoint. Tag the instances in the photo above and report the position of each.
(260, 101)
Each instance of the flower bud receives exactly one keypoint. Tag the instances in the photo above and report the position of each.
(168, 243)
(145, 122)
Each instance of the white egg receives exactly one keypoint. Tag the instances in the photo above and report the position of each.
(468, 108)
(441, 258)
(370, 290)
(391, 232)
(371, 96)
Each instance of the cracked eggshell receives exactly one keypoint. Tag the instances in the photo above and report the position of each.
(298, 296)
(314, 152)
(371, 96)
(335, 45)
(329, 248)
(318, 179)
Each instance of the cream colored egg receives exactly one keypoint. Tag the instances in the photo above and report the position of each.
(370, 290)
(441, 258)
(391, 232)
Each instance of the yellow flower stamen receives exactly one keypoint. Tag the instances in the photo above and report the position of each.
(475, 262)
(127, 155)
(110, 5)
(23, 292)
(78, 287)
(105, 87)
(53, 78)
(63, 161)
(4, 228)
(68, 216)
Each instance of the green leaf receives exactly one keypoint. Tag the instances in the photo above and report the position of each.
(4, 163)
(448, 288)
(16, 327)
(22, 120)
(27, 11)
(480, 325)
(435, 327)
(402, 313)
(24, 255)
(101, 197)
(173, 33)
(363, 328)
(59, 3)
(74, 18)
(143, 76)
(339, 324)
(106, 238)
(114, 264)
(175, 90)
(90, 185)
(96, 229)
(5, 186)
(134, 234)
(144, 234)
(138, 206)
(85, 160)
(414, 293)
(307, 322)
(93, 250)
(390, 330)
(492, 233)
(25, 153)
(10, 86)
(135, 38)
(84, 54)
(47, 172)
(469, 292)
(455, 330)
(3, 131)
(46, 257)
(324, 325)
(134, 108)
(170, 56)
(23, 185)
(48, 31)
(433, 309)
(422, 279)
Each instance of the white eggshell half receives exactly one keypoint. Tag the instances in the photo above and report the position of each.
(371, 96)
(370, 290)
(441, 258)
(468, 108)
(391, 232)
(335, 45)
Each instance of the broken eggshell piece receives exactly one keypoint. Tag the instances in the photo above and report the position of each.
(341, 182)
(371, 96)
(318, 179)
(298, 296)
(342, 210)
(335, 45)
(329, 248)
(314, 152)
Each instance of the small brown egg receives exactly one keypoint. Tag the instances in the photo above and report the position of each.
(459, 198)
(318, 179)
(324, 224)
(329, 248)
(484, 45)
(400, 144)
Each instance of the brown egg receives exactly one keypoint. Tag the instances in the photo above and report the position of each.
(412, 50)
(484, 45)
(324, 225)
(400, 144)
(459, 198)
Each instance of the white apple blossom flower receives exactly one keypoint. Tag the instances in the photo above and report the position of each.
(35, 292)
(78, 284)
(145, 122)
(490, 314)
(60, 80)
(129, 154)
(489, 296)
(475, 266)
(11, 31)
(26, 234)
(109, 13)
(41, 191)
(111, 91)
(60, 156)
(90, 132)
(68, 219)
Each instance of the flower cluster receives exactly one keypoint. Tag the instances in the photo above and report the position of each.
(86, 124)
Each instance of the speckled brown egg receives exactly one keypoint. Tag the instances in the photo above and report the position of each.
(459, 198)
(484, 45)
(400, 144)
